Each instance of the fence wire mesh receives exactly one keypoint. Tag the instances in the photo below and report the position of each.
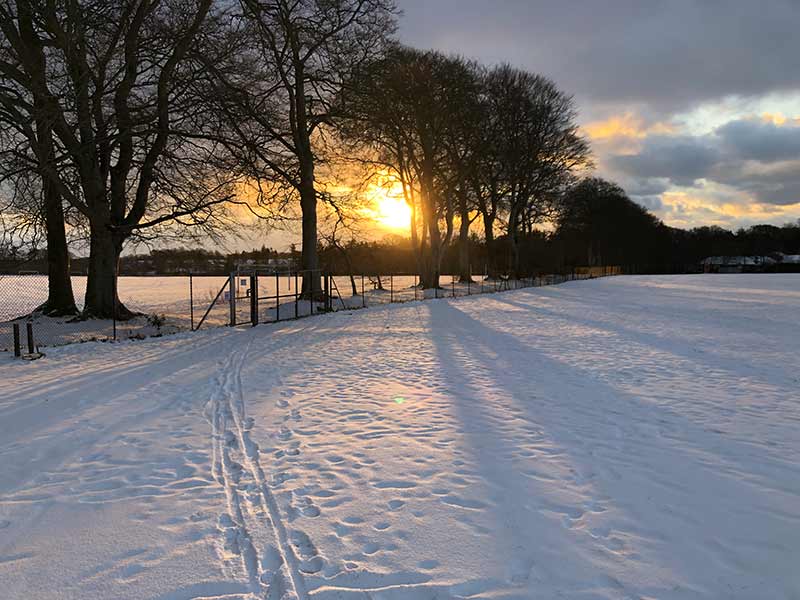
(168, 304)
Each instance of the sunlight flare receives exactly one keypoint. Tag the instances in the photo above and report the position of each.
(389, 207)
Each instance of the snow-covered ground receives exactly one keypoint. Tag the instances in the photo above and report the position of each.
(630, 437)
(178, 303)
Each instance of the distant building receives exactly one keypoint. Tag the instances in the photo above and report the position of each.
(776, 263)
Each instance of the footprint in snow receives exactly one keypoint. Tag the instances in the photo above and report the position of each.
(370, 548)
(307, 508)
(310, 562)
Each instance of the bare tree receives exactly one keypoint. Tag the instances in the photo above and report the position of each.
(301, 53)
(112, 81)
(537, 150)
(400, 107)
(35, 202)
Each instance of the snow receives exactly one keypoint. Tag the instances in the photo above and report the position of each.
(628, 437)
(169, 297)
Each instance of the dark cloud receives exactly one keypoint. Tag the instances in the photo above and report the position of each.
(761, 141)
(680, 159)
(776, 184)
(664, 56)
(759, 158)
(657, 61)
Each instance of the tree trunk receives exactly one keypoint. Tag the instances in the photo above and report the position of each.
(102, 301)
(431, 263)
(312, 281)
(60, 298)
(464, 271)
(488, 233)
(309, 260)
(513, 238)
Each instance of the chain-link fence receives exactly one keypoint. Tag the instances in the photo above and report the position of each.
(168, 304)
(255, 297)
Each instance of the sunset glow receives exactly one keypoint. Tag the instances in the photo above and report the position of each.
(389, 207)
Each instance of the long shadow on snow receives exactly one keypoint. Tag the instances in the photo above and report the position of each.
(517, 527)
(600, 413)
(712, 360)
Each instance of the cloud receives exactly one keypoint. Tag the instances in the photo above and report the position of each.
(763, 141)
(680, 159)
(757, 157)
(721, 206)
(663, 57)
(678, 97)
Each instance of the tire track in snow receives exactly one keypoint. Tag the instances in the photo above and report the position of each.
(251, 455)
(238, 538)
(228, 402)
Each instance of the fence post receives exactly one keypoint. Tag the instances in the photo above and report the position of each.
(191, 301)
(363, 297)
(296, 297)
(453, 283)
(326, 289)
(277, 296)
(17, 348)
(29, 331)
(114, 315)
(416, 284)
(469, 282)
(232, 298)
(391, 289)
(254, 299)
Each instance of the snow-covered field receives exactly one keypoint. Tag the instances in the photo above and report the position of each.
(629, 437)
(180, 303)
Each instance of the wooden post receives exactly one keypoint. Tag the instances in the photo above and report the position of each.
(254, 299)
(17, 348)
(29, 331)
(277, 296)
(191, 302)
(232, 298)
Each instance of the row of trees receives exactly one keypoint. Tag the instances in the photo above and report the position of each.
(138, 120)
(594, 223)
(128, 121)
(465, 142)
(131, 120)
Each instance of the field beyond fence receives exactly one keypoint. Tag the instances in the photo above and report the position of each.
(168, 304)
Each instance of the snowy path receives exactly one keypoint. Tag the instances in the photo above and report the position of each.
(631, 437)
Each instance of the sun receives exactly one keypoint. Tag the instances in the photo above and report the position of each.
(393, 213)
(389, 207)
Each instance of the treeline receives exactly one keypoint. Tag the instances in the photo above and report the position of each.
(595, 224)
(125, 122)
